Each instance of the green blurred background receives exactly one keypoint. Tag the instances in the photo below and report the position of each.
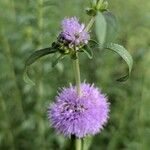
(28, 25)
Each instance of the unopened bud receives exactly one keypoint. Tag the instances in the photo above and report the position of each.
(94, 3)
(99, 4)
(105, 5)
(102, 5)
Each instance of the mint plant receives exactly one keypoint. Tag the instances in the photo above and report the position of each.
(80, 110)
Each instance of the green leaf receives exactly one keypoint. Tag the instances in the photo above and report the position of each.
(87, 50)
(112, 26)
(38, 54)
(124, 54)
(26, 77)
(100, 28)
(105, 27)
(93, 44)
(32, 58)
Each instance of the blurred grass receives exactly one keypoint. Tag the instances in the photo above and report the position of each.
(26, 26)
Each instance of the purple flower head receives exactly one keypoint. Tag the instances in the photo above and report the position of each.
(73, 31)
(79, 116)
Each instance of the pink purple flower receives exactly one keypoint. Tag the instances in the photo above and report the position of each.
(74, 32)
(79, 116)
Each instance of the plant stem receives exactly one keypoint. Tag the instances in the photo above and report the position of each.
(40, 86)
(78, 143)
(90, 24)
(16, 93)
(8, 129)
(77, 74)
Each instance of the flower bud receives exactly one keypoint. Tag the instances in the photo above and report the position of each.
(102, 5)
(94, 3)
(105, 5)
(99, 4)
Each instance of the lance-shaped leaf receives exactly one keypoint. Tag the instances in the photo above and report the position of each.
(112, 26)
(124, 54)
(26, 77)
(87, 50)
(38, 54)
(105, 27)
(32, 58)
(93, 43)
(100, 27)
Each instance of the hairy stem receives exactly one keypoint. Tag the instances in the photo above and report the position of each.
(90, 24)
(77, 74)
(78, 143)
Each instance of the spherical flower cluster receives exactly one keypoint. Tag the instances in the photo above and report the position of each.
(79, 115)
(74, 32)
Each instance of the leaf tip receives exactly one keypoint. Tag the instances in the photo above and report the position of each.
(123, 79)
(27, 79)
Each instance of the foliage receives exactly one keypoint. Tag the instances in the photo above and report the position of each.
(30, 25)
